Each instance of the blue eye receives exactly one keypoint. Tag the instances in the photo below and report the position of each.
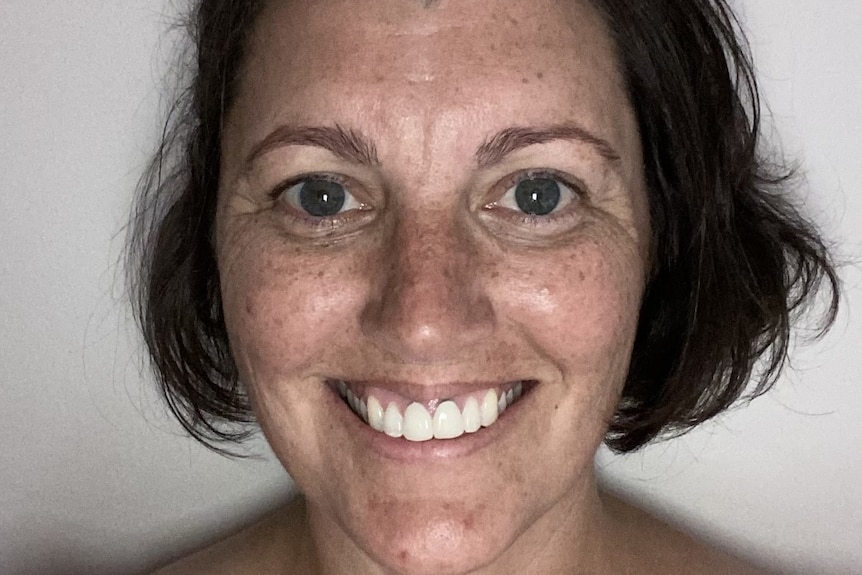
(537, 195)
(320, 197)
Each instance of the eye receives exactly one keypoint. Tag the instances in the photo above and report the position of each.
(537, 194)
(320, 197)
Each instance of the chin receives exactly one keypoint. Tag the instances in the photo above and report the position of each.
(429, 539)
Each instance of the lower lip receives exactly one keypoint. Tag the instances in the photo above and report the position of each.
(400, 449)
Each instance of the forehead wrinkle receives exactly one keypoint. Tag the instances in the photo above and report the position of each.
(377, 81)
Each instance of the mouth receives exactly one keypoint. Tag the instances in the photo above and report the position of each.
(441, 418)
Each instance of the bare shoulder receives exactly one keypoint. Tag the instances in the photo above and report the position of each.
(266, 546)
(653, 546)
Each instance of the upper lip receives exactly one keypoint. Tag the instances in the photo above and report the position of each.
(425, 392)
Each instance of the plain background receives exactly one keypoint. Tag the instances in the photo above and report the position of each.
(96, 479)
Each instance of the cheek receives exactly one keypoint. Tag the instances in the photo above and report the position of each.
(284, 307)
(580, 309)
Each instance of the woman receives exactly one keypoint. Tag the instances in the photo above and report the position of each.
(440, 252)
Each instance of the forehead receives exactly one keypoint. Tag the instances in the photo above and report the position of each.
(463, 33)
(327, 61)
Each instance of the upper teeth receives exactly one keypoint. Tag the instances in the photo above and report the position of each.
(447, 422)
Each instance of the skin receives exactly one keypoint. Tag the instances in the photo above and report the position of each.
(438, 282)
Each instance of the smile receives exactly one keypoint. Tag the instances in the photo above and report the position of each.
(446, 418)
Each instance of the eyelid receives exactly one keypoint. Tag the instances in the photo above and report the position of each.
(285, 185)
(302, 224)
(512, 180)
(523, 227)
(569, 180)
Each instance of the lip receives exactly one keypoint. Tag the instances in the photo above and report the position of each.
(402, 450)
(425, 394)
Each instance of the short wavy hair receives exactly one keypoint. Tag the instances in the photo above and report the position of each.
(732, 263)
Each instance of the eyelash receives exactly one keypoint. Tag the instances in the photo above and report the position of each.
(563, 216)
(317, 224)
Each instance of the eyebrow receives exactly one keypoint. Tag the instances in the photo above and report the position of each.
(352, 146)
(347, 144)
(508, 140)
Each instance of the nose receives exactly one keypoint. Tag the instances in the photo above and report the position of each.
(429, 303)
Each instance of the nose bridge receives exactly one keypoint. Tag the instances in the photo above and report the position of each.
(431, 266)
(431, 304)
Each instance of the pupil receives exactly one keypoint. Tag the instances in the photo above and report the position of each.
(538, 196)
(321, 198)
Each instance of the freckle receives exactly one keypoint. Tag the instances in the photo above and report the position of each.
(320, 274)
(581, 275)
(249, 309)
(539, 75)
(525, 81)
(469, 523)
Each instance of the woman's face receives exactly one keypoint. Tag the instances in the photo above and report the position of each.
(428, 205)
